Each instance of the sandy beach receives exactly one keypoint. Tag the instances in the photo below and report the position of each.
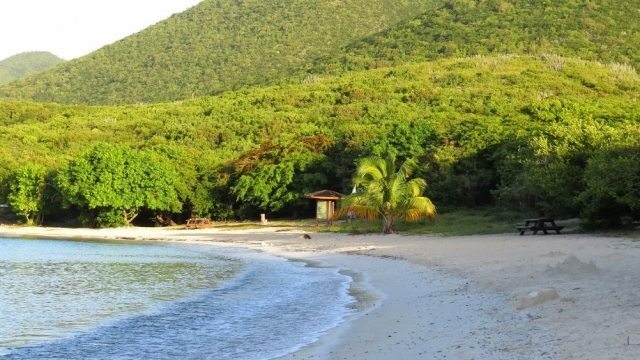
(465, 297)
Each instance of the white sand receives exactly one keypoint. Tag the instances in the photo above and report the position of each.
(456, 297)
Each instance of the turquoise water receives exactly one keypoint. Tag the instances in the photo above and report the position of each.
(79, 300)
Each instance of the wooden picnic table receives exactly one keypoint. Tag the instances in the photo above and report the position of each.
(539, 224)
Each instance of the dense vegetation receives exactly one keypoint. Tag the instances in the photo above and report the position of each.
(226, 44)
(590, 30)
(214, 46)
(25, 64)
(557, 135)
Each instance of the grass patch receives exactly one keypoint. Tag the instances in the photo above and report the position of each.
(633, 235)
(449, 222)
(630, 233)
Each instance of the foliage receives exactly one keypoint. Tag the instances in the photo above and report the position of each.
(216, 45)
(407, 140)
(553, 130)
(612, 186)
(275, 175)
(558, 173)
(117, 180)
(25, 64)
(106, 218)
(588, 30)
(387, 192)
(508, 130)
(27, 192)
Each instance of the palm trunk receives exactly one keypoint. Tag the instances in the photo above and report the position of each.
(388, 226)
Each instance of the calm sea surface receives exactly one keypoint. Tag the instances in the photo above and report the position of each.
(81, 300)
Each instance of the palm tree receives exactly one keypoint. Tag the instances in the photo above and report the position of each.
(387, 193)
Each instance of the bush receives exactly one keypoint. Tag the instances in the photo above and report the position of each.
(108, 218)
(612, 189)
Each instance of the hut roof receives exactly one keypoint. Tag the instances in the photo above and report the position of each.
(325, 195)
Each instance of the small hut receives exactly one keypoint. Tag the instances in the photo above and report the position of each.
(326, 204)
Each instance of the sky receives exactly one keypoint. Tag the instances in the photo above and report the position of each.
(72, 28)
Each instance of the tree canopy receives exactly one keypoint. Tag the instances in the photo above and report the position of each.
(27, 192)
(116, 182)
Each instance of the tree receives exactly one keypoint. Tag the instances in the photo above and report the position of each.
(612, 186)
(27, 188)
(387, 193)
(116, 182)
(277, 174)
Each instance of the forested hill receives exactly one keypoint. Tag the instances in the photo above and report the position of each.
(558, 135)
(214, 46)
(223, 45)
(606, 31)
(25, 64)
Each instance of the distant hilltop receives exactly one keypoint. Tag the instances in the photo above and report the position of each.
(25, 64)
(213, 47)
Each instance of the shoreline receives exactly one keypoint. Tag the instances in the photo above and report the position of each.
(593, 316)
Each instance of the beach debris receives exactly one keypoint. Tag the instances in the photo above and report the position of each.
(629, 343)
(537, 297)
(573, 266)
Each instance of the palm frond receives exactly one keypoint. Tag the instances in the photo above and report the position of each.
(417, 208)
(370, 169)
(360, 204)
(415, 187)
(407, 168)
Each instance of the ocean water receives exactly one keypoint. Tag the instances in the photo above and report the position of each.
(100, 300)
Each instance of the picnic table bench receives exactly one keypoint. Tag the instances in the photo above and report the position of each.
(195, 223)
(539, 224)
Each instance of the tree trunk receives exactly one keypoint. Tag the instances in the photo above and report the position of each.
(40, 219)
(129, 216)
(388, 226)
(164, 219)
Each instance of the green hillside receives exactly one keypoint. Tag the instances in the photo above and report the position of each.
(537, 132)
(25, 64)
(223, 44)
(214, 46)
(592, 30)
